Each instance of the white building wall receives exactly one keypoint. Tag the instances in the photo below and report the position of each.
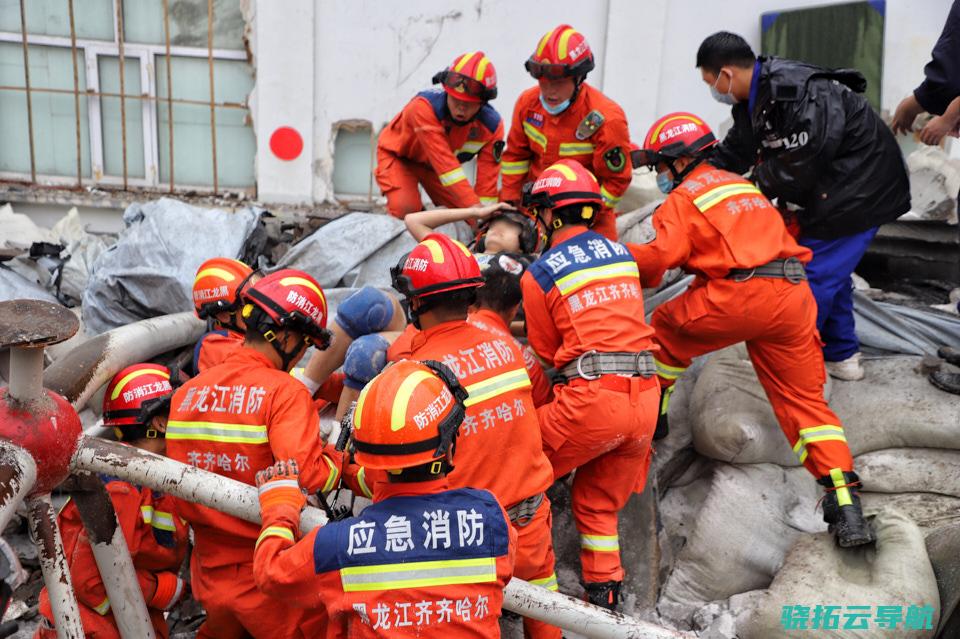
(326, 61)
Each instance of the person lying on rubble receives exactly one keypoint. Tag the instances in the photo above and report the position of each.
(501, 228)
(425, 559)
(584, 312)
(135, 406)
(216, 299)
(751, 286)
(438, 131)
(238, 418)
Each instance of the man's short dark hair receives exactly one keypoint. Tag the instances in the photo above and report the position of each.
(724, 49)
(457, 301)
(500, 291)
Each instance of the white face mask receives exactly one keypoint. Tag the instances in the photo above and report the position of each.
(723, 98)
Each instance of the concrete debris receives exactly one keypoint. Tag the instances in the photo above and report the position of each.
(641, 192)
(934, 182)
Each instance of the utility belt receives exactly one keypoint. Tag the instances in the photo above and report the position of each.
(522, 512)
(790, 269)
(593, 365)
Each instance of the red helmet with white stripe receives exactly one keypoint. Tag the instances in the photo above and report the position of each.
(133, 397)
(471, 78)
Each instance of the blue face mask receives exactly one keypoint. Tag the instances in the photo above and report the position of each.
(554, 110)
(664, 182)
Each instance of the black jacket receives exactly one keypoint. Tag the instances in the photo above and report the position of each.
(942, 74)
(814, 141)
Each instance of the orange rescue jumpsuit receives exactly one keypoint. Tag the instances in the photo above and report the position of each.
(713, 222)
(234, 420)
(214, 347)
(583, 294)
(538, 139)
(499, 447)
(423, 145)
(454, 546)
(157, 539)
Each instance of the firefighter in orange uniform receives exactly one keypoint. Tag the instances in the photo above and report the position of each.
(424, 560)
(436, 132)
(563, 117)
(135, 406)
(584, 313)
(238, 418)
(750, 287)
(216, 299)
(499, 448)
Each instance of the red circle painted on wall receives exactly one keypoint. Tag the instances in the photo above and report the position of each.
(286, 143)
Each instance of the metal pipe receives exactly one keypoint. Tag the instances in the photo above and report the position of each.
(113, 557)
(213, 110)
(18, 472)
(240, 500)
(79, 374)
(123, 100)
(26, 84)
(76, 90)
(166, 35)
(53, 564)
(26, 372)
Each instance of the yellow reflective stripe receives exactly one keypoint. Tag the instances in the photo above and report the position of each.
(576, 148)
(274, 531)
(452, 177)
(103, 607)
(715, 196)
(217, 432)
(417, 574)
(158, 518)
(813, 434)
(609, 198)
(464, 59)
(515, 168)
(543, 43)
(470, 147)
(665, 399)
(362, 480)
(481, 68)
(334, 475)
(666, 371)
(562, 44)
(564, 169)
(839, 482)
(222, 273)
(600, 543)
(398, 413)
(535, 135)
(301, 281)
(579, 279)
(550, 583)
(497, 385)
(123, 382)
(488, 200)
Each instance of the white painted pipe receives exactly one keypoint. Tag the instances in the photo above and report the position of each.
(79, 374)
(240, 500)
(18, 472)
(53, 565)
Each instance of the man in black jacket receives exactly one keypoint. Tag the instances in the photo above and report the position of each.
(816, 145)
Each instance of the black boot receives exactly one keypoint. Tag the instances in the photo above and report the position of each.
(663, 427)
(952, 355)
(841, 510)
(947, 382)
(605, 594)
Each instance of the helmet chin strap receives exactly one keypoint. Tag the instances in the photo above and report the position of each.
(286, 357)
(678, 177)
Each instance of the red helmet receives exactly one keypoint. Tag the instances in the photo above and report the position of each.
(218, 284)
(133, 397)
(287, 299)
(533, 232)
(438, 264)
(408, 415)
(562, 184)
(673, 136)
(562, 52)
(471, 78)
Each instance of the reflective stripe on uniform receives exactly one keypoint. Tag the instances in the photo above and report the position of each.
(609, 198)
(470, 147)
(452, 177)
(515, 168)
(719, 194)
(579, 279)
(103, 607)
(362, 481)
(332, 478)
(823, 433)
(158, 518)
(840, 483)
(575, 148)
(600, 543)
(417, 574)
(497, 385)
(550, 583)
(535, 135)
(666, 371)
(488, 200)
(275, 531)
(217, 432)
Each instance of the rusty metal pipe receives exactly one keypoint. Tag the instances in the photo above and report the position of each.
(18, 472)
(79, 374)
(26, 373)
(53, 564)
(113, 557)
(240, 500)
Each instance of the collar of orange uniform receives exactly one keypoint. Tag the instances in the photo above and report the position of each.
(566, 232)
(487, 316)
(421, 338)
(245, 354)
(385, 489)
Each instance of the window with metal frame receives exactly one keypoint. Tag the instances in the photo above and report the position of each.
(176, 118)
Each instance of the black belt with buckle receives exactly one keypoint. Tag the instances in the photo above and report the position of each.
(790, 269)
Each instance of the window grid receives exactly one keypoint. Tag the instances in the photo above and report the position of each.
(147, 55)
